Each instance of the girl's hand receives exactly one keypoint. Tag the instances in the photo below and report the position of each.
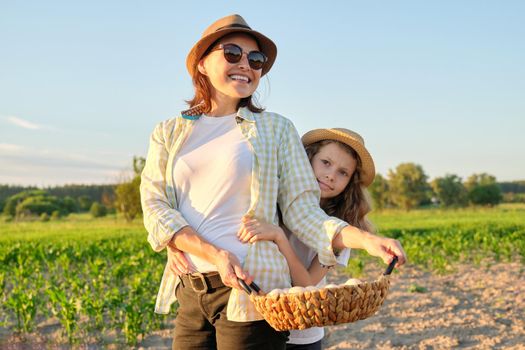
(253, 230)
(177, 261)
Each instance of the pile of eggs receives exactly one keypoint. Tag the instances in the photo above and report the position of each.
(297, 290)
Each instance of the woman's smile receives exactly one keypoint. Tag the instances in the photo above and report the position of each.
(240, 78)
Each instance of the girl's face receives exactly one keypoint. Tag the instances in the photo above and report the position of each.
(231, 80)
(333, 167)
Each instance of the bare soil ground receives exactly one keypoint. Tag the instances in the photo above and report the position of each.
(473, 308)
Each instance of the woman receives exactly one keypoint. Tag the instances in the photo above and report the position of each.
(222, 159)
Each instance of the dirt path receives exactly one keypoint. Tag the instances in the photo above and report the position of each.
(474, 308)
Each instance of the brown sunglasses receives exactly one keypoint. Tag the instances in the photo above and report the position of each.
(233, 54)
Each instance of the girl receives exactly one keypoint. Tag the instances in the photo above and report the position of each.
(343, 168)
(224, 158)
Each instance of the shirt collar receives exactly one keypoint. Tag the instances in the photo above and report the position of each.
(246, 114)
(195, 113)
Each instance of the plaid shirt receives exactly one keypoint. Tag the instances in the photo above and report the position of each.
(281, 174)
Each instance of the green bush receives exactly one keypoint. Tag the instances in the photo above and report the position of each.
(70, 205)
(97, 210)
(44, 217)
(483, 190)
(485, 195)
(128, 199)
(84, 202)
(13, 201)
(33, 203)
(38, 205)
(510, 197)
(55, 215)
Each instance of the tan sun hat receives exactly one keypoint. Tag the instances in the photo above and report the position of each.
(224, 26)
(350, 138)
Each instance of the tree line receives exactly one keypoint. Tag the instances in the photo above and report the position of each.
(84, 195)
(407, 187)
(29, 203)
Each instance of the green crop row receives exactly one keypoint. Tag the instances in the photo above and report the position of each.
(90, 286)
(100, 276)
(437, 240)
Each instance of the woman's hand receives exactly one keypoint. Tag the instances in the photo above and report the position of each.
(177, 261)
(230, 269)
(385, 248)
(253, 230)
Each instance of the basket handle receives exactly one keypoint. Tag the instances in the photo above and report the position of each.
(249, 288)
(390, 267)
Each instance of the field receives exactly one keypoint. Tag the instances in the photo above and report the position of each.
(92, 282)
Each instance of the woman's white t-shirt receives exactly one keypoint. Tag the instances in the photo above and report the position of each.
(212, 175)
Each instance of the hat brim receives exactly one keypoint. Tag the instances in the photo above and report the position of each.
(367, 163)
(266, 45)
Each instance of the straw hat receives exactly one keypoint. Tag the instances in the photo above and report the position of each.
(224, 26)
(350, 138)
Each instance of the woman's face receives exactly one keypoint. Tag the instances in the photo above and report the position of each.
(333, 167)
(231, 80)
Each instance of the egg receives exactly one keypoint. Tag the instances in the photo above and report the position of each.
(353, 282)
(311, 289)
(275, 292)
(297, 289)
(331, 286)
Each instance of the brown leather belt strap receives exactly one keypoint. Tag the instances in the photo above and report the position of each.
(201, 282)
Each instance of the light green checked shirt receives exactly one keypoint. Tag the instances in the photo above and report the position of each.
(281, 175)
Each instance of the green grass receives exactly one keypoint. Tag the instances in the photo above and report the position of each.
(74, 227)
(437, 218)
(439, 239)
(100, 275)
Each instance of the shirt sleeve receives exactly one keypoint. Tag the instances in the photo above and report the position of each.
(343, 257)
(161, 219)
(299, 196)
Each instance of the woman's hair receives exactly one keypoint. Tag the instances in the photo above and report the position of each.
(353, 203)
(203, 90)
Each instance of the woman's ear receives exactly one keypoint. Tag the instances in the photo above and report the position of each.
(201, 68)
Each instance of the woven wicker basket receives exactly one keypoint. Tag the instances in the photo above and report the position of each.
(324, 307)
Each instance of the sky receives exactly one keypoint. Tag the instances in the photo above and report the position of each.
(437, 83)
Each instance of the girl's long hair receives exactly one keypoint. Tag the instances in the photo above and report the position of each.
(203, 91)
(353, 204)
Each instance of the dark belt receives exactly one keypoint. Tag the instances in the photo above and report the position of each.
(202, 282)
